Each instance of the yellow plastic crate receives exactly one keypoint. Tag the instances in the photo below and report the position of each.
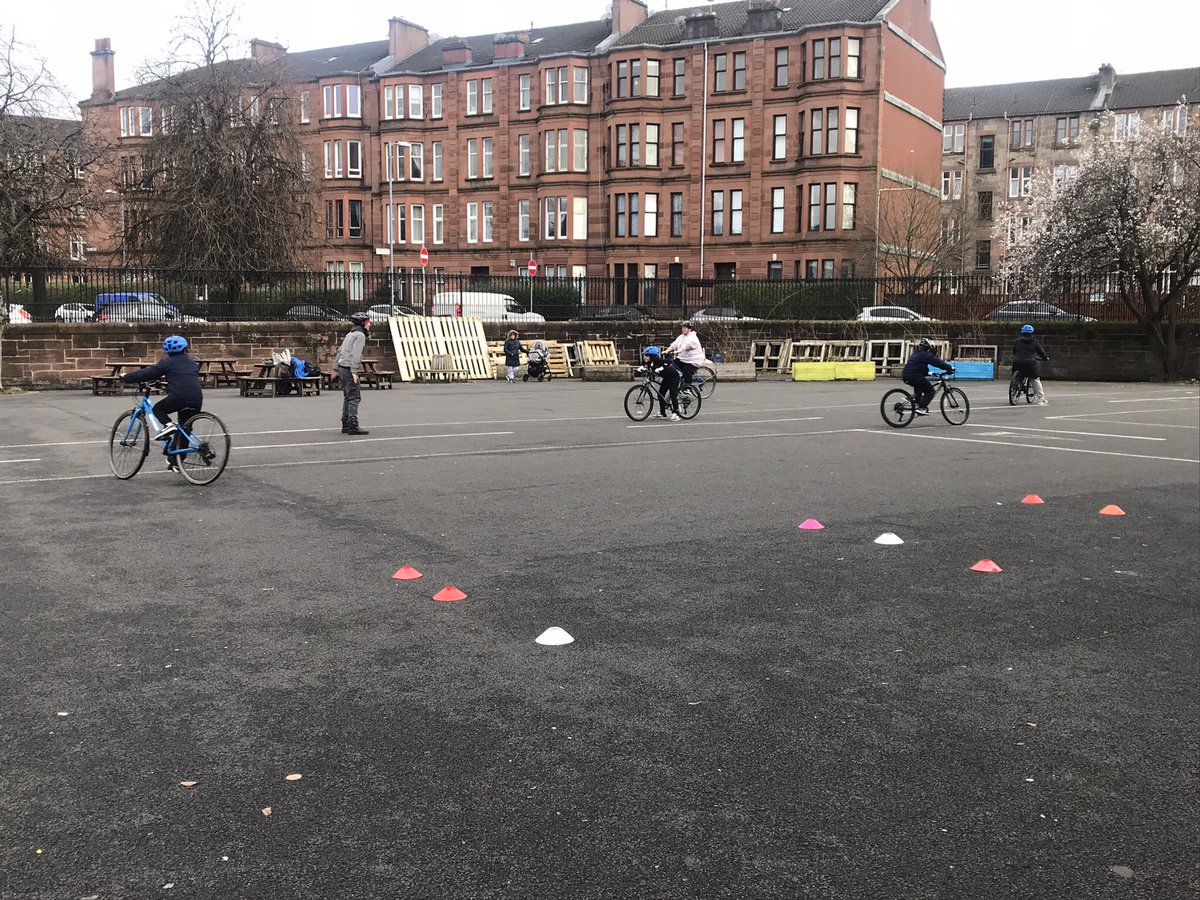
(854, 371)
(814, 371)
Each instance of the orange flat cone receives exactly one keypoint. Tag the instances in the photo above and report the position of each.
(406, 573)
(449, 594)
(1112, 510)
(1032, 499)
(986, 565)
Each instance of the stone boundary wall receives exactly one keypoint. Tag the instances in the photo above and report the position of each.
(65, 355)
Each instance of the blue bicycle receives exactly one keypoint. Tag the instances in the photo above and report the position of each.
(198, 450)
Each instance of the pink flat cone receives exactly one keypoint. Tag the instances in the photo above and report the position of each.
(810, 525)
(449, 594)
(406, 573)
(986, 565)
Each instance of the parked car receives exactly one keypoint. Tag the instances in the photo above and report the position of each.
(384, 311)
(891, 314)
(722, 314)
(615, 314)
(312, 313)
(144, 312)
(74, 312)
(120, 297)
(18, 314)
(1033, 310)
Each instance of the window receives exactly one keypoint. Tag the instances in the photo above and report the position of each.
(847, 268)
(680, 67)
(818, 60)
(487, 157)
(635, 145)
(851, 130)
(774, 271)
(437, 161)
(650, 216)
(677, 143)
(342, 100)
(439, 223)
(333, 102)
(779, 146)
(1064, 175)
(472, 98)
(983, 254)
(830, 207)
(653, 67)
(389, 101)
(563, 86)
(579, 218)
(486, 92)
(524, 93)
(581, 84)
(354, 159)
(620, 219)
(831, 130)
(435, 101)
(952, 185)
(416, 102)
(835, 57)
(721, 72)
(1175, 119)
(985, 206)
(473, 158)
(522, 220)
(335, 222)
(633, 215)
(1017, 228)
(735, 212)
(987, 152)
(416, 162)
(781, 67)
(1066, 129)
(354, 101)
(472, 223)
(623, 79)
(1022, 134)
(677, 215)
(777, 201)
(401, 224)
(488, 210)
(1020, 179)
(954, 138)
(523, 154)
(1126, 125)
(817, 144)
(333, 159)
(356, 218)
(812, 269)
(622, 152)
(853, 55)
(304, 107)
(418, 224)
(849, 206)
(651, 145)
(739, 71)
(738, 146)
(635, 77)
(77, 248)
(718, 145)
(718, 213)
(814, 207)
(800, 134)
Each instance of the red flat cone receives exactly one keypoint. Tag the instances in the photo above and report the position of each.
(1112, 510)
(406, 573)
(1032, 499)
(449, 594)
(810, 525)
(986, 565)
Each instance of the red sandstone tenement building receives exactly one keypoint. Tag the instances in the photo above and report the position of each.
(741, 139)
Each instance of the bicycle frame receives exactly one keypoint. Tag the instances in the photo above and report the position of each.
(146, 408)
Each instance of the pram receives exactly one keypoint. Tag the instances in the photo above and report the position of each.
(537, 367)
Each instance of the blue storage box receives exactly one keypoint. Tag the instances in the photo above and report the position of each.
(970, 370)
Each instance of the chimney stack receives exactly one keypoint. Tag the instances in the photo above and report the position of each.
(627, 15)
(266, 51)
(456, 52)
(508, 46)
(700, 26)
(104, 76)
(763, 16)
(1108, 78)
(405, 38)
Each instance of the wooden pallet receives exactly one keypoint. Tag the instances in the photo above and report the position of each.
(557, 359)
(769, 356)
(845, 351)
(986, 352)
(597, 353)
(418, 339)
(805, 351)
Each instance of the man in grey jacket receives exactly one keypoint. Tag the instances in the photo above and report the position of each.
(349, 363)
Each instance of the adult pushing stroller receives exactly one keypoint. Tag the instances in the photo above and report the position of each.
(537, 367)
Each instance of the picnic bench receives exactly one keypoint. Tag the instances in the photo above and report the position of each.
(113, 384)
(226, 372)
(371, 376)
(442, 368)
(266, 383)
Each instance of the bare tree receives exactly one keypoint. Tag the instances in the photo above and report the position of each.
(913, 238)
(221, 189)
(1131, 215)
(43, 158)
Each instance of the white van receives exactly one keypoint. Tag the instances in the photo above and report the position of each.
(482, 305)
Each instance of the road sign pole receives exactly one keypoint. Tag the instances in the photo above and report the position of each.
(532, 273)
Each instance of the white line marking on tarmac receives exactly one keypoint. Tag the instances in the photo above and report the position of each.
(3, 461)
(938, 437)
(399, 437)
(1120, 412)
(1142, 424)
(1128, 437)
(1163, 399)
(739, 422)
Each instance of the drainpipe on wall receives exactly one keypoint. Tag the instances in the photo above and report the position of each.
(703, 158)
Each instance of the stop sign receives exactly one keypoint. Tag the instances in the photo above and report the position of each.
(424, 257)
(532, 267)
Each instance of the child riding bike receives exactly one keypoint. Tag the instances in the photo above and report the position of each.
(184, 395)
(688, 356)
(916, 374)
(1026, 353)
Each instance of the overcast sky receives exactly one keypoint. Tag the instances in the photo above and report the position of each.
(983, 43)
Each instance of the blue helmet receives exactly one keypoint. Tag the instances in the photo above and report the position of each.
(651, 351)
(1026, 329)
(175, 344)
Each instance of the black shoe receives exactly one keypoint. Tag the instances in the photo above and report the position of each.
(353, 428)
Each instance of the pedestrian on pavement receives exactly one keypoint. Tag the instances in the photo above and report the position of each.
(349, 363)
(512, 355)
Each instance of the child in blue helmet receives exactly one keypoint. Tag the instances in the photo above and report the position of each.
(1026, 353)
(184, 396)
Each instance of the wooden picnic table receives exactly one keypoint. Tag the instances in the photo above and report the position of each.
(266, 383)
(226, 371)
(371, 376)
(113, 383)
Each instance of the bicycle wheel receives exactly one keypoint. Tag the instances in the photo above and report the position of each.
(705, 381)
(689, 401)
(128, 444)
(639, 402)
(956, 408)
(205, 463)
(1015, 389)
(897, 408)
(1028, 390)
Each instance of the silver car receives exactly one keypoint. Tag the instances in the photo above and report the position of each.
(74, 312)
(144, 311)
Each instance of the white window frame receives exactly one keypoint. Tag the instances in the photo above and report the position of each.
(439, 223)
(1020, 181)
(472, 158)
(305, 108)
(653, 131)
(435, 101)
(522, 220)
(650, 215)
(954, 138)
(952, 182)
(736, 199)
(473, 97)
(416, 161)
(778, 201)
(416, 101)
(737, 141)
(849, 206)
(525, 93)
(579, 218)
(779, 135)
(486, 99)
(353, 101)
(473, 223)
(581, 85)
(580, 139)
(485, 170)
(488, 217)
(354, 159)
(416, 227)
(523, 158)
(439, 157)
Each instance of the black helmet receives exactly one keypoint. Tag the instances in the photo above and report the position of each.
(688, 324)
(360, 318)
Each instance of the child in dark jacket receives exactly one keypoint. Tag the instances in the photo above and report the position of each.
(184, 396)
(1026, 353)
(512, 355)
(916, 374)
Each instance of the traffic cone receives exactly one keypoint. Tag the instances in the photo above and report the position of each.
(986, 565)
(449, 594)
(554, 637)
(810, 525)
(888, 538)
(1032, 500)
(1112, 510)
(406, 573)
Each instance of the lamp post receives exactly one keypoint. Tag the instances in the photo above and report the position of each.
(391, 230)
(122, 198)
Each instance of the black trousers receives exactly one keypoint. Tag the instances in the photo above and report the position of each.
(922, 389)
(672, 375)
(350, 395)
(186, 409)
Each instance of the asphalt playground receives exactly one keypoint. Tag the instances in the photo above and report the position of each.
(748, 710)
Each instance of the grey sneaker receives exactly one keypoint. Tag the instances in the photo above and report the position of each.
(673, 416)
(922, 411)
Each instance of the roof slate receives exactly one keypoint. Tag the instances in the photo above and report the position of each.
(1070, 95)
(580, 37)
(666, 27)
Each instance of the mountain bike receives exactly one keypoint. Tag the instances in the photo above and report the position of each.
(705, 380)
(199, 449)
(899, 407)
(641, 399)
(1021, 385)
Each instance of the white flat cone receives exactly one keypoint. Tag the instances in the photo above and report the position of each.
(554, 637)
(888, 538)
